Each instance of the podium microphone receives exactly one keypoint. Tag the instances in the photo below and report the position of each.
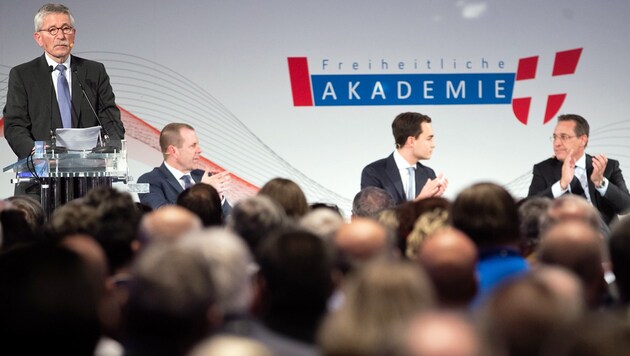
(104, 148)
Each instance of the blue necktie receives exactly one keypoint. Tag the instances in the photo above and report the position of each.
(187, 181)
(63, 97)
(411, 185)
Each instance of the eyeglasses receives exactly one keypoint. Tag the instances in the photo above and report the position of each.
(562, 138)
(55, 30)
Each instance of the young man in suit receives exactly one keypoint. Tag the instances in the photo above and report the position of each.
(47, 92)
(401, 174)
(181, 151)
(598, 179)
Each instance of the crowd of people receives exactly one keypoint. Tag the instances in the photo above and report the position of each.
(483, 274)
(188, 270)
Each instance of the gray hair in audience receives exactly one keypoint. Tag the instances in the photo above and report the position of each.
(370, 201)
(255, 218)
(230, 264)
(322, 222)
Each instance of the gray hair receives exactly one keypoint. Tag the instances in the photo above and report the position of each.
(229, 263)
(48, 9)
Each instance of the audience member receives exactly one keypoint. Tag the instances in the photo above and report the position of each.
(359, 242)
(32, 209)
(48, 302)
(167, 224)
(449, 258)
(294, 285)
(487, 214)
(418, 220)
(288, 194)
(255, 219)
(203, 200)
(228, 345)
(584, 259)
(619, 245)
(525, 317)
(370, 201)
(439, 333)
(166, 313)
(322, 222)
(532, 212)
(230, 263)
(378, 300)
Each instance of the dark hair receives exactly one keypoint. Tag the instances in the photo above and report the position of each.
(619, 244)
(408, 124)
(288, 194)
(370, 201)
(487, 213)
(204, 201)
(581, 125)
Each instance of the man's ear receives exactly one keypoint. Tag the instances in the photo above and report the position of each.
(38, 38)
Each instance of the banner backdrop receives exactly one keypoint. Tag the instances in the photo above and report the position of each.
(307, 90)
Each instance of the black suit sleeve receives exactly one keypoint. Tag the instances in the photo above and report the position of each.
(16, 116)
(541, 184)
(617, 195)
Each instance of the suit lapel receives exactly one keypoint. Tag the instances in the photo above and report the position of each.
(77, 94)
(172, 180)
(49, 95)
(591, 187)
(394, 176)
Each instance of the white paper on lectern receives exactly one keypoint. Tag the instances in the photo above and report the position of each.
(78, 139)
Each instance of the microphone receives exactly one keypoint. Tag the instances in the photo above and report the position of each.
(104, 148)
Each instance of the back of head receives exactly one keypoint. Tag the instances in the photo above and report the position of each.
(322, 222)
(288, 194)
(359, 242)
(295, 268)
(525, 317)
(584, 259)
(378, 299)
(619, 244)
(119, 221)
(255, 219)
(370, 201)
(168, 314)
(167, 224)
(224, 345)
(230, 264)
(532, 212)
(48, 302)
(203, 200)
(32, 209)
(487, 214)
(572, 207)
(449, 257)
(431, 215)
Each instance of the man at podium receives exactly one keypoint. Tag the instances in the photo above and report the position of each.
(56, 90)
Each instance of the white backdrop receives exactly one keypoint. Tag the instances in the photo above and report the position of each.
(222, 66)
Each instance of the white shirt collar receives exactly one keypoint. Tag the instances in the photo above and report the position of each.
(401, 162)
(175, 172)
(54, 64)
(581, 162)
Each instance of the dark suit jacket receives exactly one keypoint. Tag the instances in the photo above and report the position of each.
(164, 188)
(384, 174)
(615, 201)
(31, 101)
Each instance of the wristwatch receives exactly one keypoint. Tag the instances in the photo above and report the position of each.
(603, 185)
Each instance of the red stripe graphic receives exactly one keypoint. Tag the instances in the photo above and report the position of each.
(300, 81)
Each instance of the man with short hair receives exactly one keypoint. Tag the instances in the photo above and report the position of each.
(48, 92)
(597, 178)
(181, 151)
(401, 174)
(370, 201)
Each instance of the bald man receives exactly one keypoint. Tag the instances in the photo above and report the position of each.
(576, 246)
(441, 333)
(449, 257)
(168, 224)
(362, 240)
